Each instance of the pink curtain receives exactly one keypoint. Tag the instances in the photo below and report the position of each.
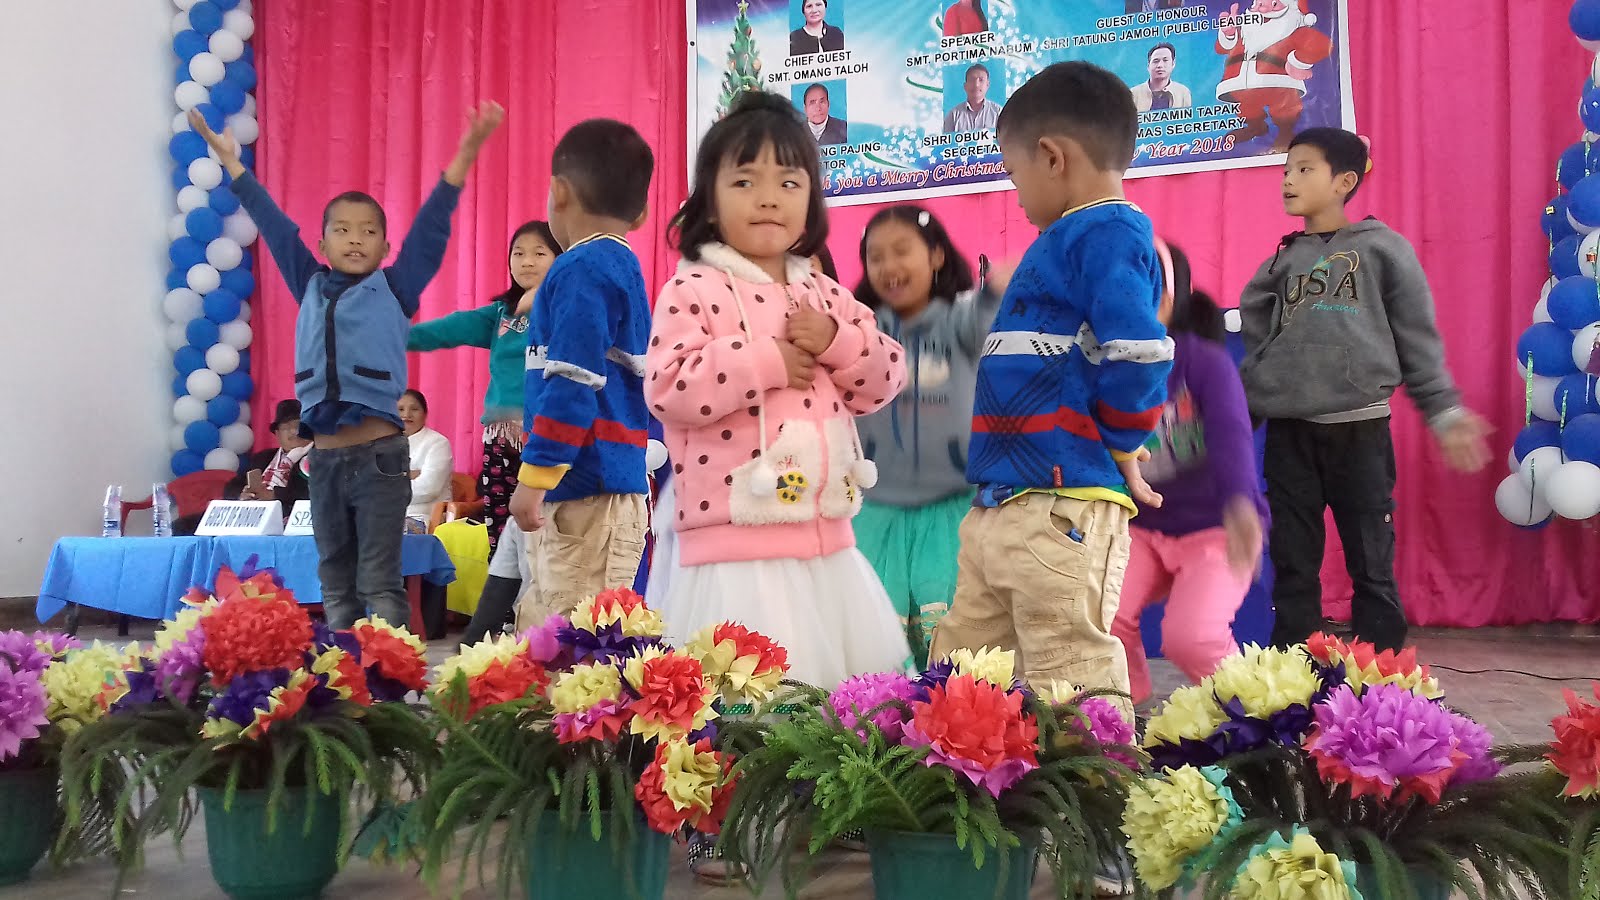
(1467, 104)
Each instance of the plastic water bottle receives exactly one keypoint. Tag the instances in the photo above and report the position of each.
(160, 510)
(111, 525)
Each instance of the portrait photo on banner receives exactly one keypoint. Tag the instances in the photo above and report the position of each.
(824, 104)
(818, 27)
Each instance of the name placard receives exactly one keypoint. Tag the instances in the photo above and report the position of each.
(241, 517)
(299, 519)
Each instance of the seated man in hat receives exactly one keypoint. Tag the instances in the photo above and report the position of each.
(271, 474)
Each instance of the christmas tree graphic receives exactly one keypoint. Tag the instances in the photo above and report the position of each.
(744, 63)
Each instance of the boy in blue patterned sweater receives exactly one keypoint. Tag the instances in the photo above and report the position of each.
(581, 492)
(1070, 386)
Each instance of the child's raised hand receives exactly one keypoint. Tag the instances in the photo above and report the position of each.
(1464, 443)
(812, 330)
(998, 276)
(482, 121)
(1242, 526)
(800, 365)
(1139, 489)
(224, 145)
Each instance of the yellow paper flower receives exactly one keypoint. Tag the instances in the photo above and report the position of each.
(741, 665)
(1060, 693)
(477, 658)
(1191, 712)
(179, 627)
(78, 684)
(688, 776)
(1417, 681)
(674, 699)
(1266, 680)
(617, 607)
(1298, 869)
(1169, 819)
(998, 667)
(585, 686)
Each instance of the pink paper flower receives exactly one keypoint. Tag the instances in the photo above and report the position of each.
(1389, 743)
(856, 697)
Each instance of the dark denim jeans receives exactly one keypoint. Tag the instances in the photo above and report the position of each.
(358, 508)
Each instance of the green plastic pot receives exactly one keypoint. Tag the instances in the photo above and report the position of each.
(911, 866)
(563, 864)
(27, 796)
(1426, 886)
(289, 862)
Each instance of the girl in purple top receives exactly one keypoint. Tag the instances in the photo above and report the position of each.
(1201, 548)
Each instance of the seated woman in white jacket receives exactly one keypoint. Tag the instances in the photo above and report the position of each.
(431, 460)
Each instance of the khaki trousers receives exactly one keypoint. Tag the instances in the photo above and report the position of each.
(586, 546)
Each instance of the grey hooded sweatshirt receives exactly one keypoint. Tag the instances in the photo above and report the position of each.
(1333, 323)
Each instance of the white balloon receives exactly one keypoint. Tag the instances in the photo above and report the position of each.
(1579, 227)
(188, 409)
(178, 226)
(177, 336)
(204, 384)
(1517, 504)
(244, 6)
(244, 311)
(1549, 285)
(238, 23)
(1591, 46)
(245, 128)
(1583, 346)
(244, 413)
(225, 45)
(224, 254)
(239, 228)
(184, 5)
(235, 334)
(249, 105)
(175, 438)
(655, 455)
(222, 358)
(180, 123)
(1589, 254)
(237, 437)
(180, 22)
(192, 198)
(1537, 467)
(1511, 458)
(205, 173)
(181, 305)
(222, 460)
(1232, 320)
(1544, 397)
(207, 69)
(189, 95)
(203, 279)
(1573, 491)
(1541, 311)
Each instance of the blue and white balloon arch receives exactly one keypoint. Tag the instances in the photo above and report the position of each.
(209, 286)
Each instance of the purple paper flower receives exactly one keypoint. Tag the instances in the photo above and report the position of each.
(1187, 752)
(609, 644)
(384, 689)
(544, 641)
(144, 687)
(34, 652)
(935, 676)
(1242, 732)
(325, 638)
(1387, 740)
(245, 694)
(1109, 726)
(22, 704)
(1475, 742)
(856, 697)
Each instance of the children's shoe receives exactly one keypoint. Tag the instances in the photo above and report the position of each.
(1113, 878)
(708, 864)
(854, 840)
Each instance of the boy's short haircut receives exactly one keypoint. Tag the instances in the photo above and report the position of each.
(356, 197)
(1076, 100)
(608, 165)
(1344, 151)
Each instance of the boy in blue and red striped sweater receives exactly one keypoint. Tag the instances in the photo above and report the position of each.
(1070, 386)
(581, 493)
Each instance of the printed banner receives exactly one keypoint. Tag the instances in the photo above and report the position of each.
(902, 95)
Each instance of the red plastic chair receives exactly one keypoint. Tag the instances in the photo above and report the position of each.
(191, 494)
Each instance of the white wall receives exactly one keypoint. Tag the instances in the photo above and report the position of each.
(85, 398)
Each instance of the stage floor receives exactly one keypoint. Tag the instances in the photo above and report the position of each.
(1515, 707)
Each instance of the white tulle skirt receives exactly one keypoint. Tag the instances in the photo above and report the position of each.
(830, 613)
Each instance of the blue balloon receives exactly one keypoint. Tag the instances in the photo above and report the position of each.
(239, 282)
(180, 386)
(186, 147)
(1574, 302)
(202, 332)
(186, 253)
(1554, 219)
(205, 17)
(187, 462)
(1585, 19)
(180, 74)
(1580, 440)
(1550, 345)
(241, 73)
(244, 361)
(189, 42)
(188, 359)
(247, 158)
(180, 177)
(225, 5)
(1564, 257)
(222, 201)
(247, 261)
(1539, 433)
(1575, 396)
(177, 278)
(227, 96)
(221, 411)
(1572, 165)
(1589, 109)
(204, 225)
(237, 384)
(202, 437)
(215, 118)
(249, 53)
(1583, 203)
(222, 305)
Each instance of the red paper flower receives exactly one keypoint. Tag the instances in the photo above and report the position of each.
(285, 704)
(618, 602)
(659, 811)
(247, 633)
(978, 729)
(1326, 648)
(396, 656)
(685, 785)
(504, 680)
(673, 700)
(1576, 749)
(344, 675)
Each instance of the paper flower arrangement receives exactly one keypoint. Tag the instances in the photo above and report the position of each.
(48, 688)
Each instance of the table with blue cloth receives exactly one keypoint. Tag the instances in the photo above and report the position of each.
(146, 578)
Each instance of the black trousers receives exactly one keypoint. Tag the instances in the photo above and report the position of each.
(1348, 468)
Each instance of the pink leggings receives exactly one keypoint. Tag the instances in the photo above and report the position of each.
(1203, 593)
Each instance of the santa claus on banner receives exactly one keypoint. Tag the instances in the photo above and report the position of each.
(1269, 60)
